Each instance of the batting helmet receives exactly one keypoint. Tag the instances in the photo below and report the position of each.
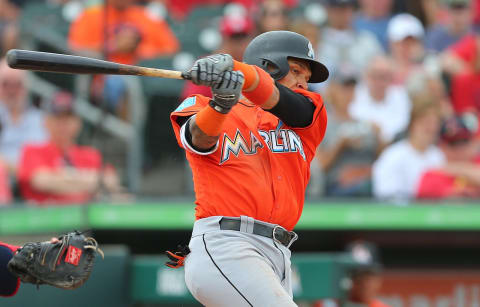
(275, 47)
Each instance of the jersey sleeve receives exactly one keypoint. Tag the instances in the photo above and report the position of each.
(9, 284)
(313, 134)
(190, 106)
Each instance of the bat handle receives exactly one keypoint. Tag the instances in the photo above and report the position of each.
(186, 75)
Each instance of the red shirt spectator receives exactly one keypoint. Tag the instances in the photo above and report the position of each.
(9, 284)
(60, 171)
(132, 33)
(436, 184)
(457, 142)
(51, 157)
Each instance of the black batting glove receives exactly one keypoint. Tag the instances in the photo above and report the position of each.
(207, 70)
(226, 91)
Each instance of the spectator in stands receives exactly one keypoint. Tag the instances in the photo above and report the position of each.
(8, 26)
(458, 24)
(306, 28)
(341, 43)
(272, 16)
(398, 170)
(20, 122)
(366, 277)
(131, 33)
(350, 146)
(374, 16)
(237, 31)
(405, 34)
(462, 63)
(59, 171)
(460, 178)
(379, 101)
(124, 33)
(181, 9)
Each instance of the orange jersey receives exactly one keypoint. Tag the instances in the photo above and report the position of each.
(156, 38)
(260, 168)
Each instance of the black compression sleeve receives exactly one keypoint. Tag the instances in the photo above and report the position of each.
(294, 109)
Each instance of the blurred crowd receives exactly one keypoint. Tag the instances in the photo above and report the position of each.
(403, 97)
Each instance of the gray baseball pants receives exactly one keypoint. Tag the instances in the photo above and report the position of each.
(229, 268)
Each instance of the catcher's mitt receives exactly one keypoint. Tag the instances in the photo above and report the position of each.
(66, 264)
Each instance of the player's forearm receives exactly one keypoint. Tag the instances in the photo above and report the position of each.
(294, 109)
(259, 86)
(200, 139)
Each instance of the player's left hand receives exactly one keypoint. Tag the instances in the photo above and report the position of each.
(226, 91)
(65, 262)
(206, 71)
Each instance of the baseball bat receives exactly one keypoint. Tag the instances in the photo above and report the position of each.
(72, 64)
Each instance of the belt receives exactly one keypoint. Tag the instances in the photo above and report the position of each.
(276, 232)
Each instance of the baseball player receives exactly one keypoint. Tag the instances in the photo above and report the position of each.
(250, 159)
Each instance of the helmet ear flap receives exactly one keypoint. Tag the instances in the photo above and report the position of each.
(277, 71)
(270, 67)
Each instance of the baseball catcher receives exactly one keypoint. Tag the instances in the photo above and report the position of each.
(250, 148)
(64, 263)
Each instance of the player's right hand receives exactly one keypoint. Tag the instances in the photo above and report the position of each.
(226, 91)
(207, 70)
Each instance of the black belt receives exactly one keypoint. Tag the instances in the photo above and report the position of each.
(276, 232)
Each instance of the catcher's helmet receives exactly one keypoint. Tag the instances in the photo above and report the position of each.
(275, 47)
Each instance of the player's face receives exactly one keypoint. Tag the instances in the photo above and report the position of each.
(298, 76)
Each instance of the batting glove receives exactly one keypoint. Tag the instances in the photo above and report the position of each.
(207, 70)
(226, 91)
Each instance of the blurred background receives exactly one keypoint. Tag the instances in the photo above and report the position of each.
(392, 212)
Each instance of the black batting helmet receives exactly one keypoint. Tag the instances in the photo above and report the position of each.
(275, 47)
